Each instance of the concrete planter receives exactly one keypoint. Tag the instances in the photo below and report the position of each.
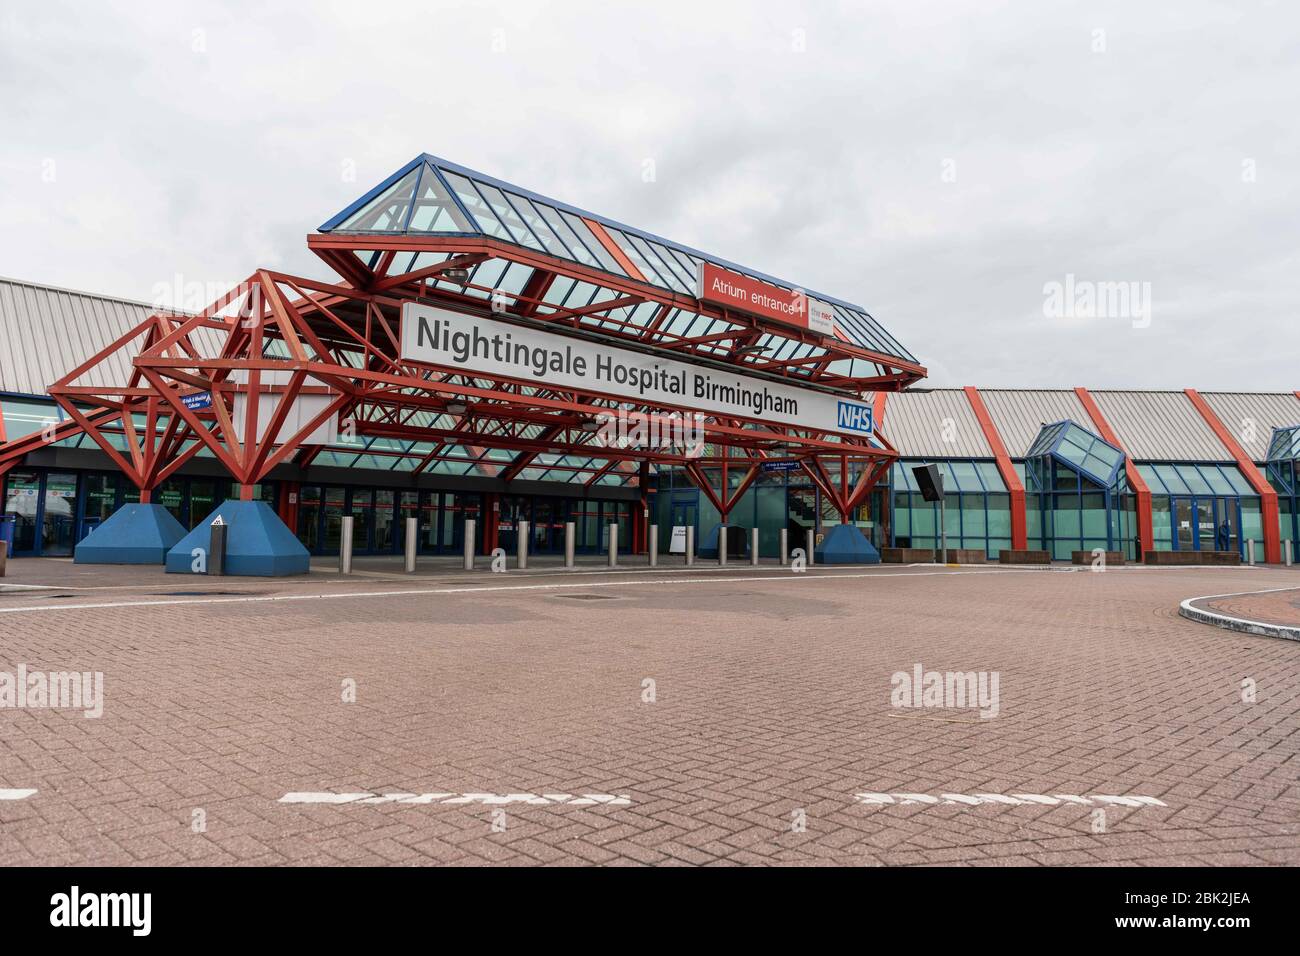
(1009, 556)
(1227, 558)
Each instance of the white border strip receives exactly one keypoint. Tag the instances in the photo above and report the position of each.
(1004, 799)
(1241, 624)
(11, 794)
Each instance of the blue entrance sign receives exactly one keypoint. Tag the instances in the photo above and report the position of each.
(197, 401)
(780, 465)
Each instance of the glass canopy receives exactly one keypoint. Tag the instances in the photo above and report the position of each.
(1081, 450)
(431, 195)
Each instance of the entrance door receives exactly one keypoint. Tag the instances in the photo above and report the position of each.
(58, 514)
(1184, 525)
(332, 519)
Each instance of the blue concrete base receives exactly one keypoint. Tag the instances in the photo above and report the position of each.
(846, 544)
(133, 534)
(258, 543)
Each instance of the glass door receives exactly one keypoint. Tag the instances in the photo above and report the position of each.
(363, 520)
(1184, 530)
(332, 505)
(385, 502)
(309, 516)
(58, 514)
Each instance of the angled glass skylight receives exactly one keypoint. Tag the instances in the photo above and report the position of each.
(432, 195)
(1079, 449)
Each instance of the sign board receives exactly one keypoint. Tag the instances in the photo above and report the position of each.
(780, 466)
(197, 401)
(719, 286)
(677, 544)
(490, 347)
(216, 522)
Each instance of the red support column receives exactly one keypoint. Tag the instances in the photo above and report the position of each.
(1019, 521)
(1146, 533)
(288, 504)
(1268, 508)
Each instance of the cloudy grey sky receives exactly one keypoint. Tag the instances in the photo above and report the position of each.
(939, 164)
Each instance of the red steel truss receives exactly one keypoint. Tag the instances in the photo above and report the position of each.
(276, 339)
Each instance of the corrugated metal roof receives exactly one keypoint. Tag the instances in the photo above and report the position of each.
(1020, 414)
(1252, 416)
(936, 423)
(46, 332)
(1160, 426)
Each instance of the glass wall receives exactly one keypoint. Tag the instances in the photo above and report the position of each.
(976, 507)
(1076, 491)
(1202, 507)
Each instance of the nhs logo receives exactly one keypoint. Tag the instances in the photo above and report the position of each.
(856, 418)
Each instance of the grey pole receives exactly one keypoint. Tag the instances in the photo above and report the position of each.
(217, 549)
(1250, 550)
(753, 547)
(690, 545)
(412, 543)
(812, 541)
(468, 531)
(521, 544)
(654, 546)
(722, 545)
(785, 546)
(345, 545)
(569, 530)
(613, 545)
(1288, 551)
(943, 528)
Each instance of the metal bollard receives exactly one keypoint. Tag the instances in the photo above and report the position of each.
(412, 543)
(345, 545)
(690, 545)
(753, 547)
(469, 543)
(613, 545)
(785, 546)
(521, 544)
(570, 530)
(217, 549)
(722, 545)
(812, 541)
(654, 546)
(1250, 550)
(1287, 545)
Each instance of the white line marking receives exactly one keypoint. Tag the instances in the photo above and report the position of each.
(455, 799)
(259, 599)
(9, 794)
(1003, 799)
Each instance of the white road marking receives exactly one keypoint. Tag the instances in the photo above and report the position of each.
(470, 589)
(10, 794)
(455, 799)
(1003, 799)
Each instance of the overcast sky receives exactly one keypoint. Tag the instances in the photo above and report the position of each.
(940, 165)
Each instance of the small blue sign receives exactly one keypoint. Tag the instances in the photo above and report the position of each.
(780, 465)
(197, 401)
(856, 417)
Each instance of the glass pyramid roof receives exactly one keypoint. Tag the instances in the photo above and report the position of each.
(1081, 450)
(432, 196)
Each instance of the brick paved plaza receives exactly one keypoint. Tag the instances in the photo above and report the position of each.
(497, 703)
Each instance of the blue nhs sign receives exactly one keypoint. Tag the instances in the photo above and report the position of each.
(856, 418)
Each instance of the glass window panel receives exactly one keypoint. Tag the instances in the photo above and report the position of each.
(540, 227)
(435, 209)
(1191, 476)
(561, 227)
(594, 245)
(506, 213)
(477, 206)
(387, 212)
